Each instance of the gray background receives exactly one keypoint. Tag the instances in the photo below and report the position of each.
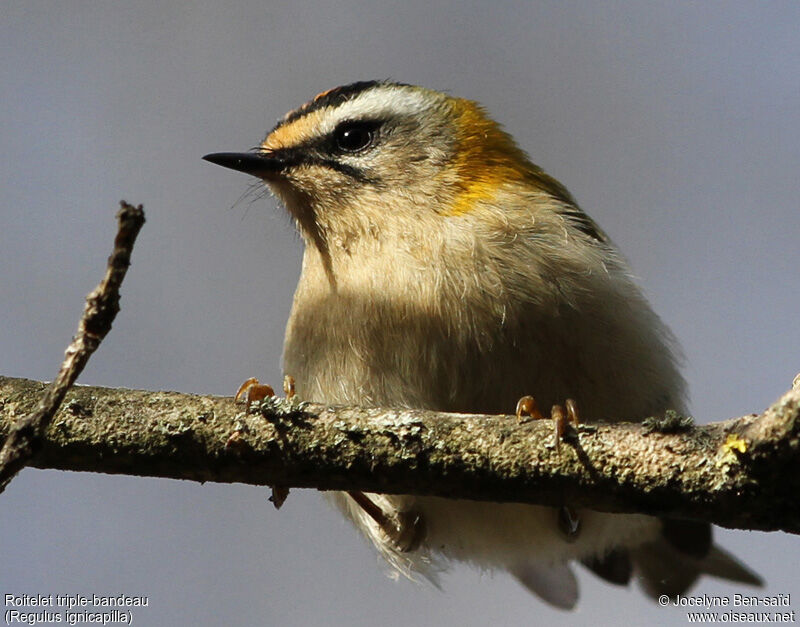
(676, 126)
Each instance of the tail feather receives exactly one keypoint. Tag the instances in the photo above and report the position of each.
(671, 564)
(663, 570)
(720, 563)
(688, 536)
(615, 567)
(554, 583)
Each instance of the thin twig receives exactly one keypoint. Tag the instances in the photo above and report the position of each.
(102, 304)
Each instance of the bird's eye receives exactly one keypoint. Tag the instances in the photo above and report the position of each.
(354, 136)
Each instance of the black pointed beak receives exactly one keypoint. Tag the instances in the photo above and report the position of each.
(262, 165)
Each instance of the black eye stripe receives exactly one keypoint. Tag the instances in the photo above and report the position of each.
(326, 151)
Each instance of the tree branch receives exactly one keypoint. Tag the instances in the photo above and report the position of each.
(741, 473)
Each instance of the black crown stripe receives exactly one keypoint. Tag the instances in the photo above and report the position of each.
(331, 98)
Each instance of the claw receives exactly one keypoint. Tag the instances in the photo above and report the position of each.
(569, 522)
(288, 387)
(527, 405)
(562, 417)
(252, 391)
(560, 424)
(572, 412)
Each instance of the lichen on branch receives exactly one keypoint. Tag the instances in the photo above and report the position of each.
(741, 473)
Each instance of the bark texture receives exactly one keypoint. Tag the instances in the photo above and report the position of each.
(742, 473)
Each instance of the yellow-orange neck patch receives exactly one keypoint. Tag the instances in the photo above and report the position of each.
(486, 159)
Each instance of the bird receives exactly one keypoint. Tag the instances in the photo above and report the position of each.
(444, 270)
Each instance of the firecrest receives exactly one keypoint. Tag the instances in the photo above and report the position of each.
(444, 270)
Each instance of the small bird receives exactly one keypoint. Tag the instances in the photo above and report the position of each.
(444, 270)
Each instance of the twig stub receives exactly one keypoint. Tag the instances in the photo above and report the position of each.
(102, 304)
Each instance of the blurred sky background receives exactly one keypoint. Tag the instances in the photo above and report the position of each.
(676, 126)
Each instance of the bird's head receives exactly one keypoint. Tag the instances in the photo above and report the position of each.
(375, 160)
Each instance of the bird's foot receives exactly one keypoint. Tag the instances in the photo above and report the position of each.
(562, 416)
(251, 392)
